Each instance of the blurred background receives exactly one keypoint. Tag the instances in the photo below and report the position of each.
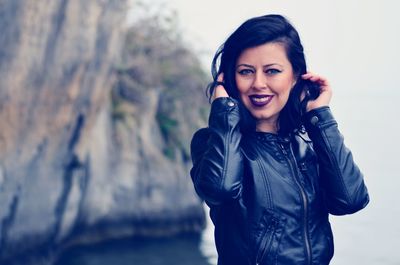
(99, 100)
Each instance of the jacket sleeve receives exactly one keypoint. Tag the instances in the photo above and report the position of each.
(217, 160)
(341, 179)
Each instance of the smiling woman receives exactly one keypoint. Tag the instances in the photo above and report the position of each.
(272, 164)
(264, 78)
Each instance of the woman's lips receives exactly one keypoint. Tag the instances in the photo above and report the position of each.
(260, 100)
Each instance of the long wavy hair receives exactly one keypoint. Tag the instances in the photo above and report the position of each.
(254, 32)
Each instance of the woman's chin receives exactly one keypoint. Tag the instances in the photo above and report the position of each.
(261, 116)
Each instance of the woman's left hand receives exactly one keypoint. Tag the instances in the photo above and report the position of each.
(325, 91)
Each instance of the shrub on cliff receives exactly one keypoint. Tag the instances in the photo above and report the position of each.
(156, 58)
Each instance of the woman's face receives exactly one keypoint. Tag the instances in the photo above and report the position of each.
(264, 77)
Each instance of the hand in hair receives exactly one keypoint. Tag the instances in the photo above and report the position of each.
(219, 90)
(325, 91)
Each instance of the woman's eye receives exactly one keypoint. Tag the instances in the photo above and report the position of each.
(272, 71)
(245, 72)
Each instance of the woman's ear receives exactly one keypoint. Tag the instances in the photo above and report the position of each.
(294, 83)
(295, 79)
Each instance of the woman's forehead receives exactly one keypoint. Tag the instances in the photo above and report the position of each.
(267, 53)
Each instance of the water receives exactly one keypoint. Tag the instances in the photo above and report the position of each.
(370, 124)
(179, 250)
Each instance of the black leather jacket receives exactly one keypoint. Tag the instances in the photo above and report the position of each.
(269, 196)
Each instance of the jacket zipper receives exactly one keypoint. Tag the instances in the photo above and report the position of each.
(304, 199)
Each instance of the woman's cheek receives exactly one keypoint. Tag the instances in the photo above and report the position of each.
(243, 85)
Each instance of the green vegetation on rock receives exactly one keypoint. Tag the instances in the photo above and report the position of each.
(156, 60)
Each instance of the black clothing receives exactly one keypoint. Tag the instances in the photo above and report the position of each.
(270, 196)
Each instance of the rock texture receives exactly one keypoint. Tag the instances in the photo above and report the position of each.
(87, 154)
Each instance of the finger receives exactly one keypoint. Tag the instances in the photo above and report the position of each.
(220, 82)
(315, 78)
(220, 77)
(219, 90)
(322, 81)
(307, 75)
(312, 77)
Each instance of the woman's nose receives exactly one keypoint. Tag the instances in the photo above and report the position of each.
(260, 80)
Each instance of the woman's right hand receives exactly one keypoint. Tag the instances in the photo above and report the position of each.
(219, 90)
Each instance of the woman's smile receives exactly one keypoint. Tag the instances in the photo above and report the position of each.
(259, 101)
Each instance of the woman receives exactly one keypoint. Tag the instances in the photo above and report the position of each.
(272, 164)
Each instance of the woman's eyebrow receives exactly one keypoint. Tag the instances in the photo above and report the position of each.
(245, 65)
(272, 64)
(251, 66)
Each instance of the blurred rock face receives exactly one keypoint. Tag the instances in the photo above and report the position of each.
(82, 159)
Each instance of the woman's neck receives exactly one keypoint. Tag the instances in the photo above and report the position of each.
(264, 126)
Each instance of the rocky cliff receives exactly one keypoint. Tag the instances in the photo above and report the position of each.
(91, 146)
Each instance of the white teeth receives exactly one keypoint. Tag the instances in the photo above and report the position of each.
(260, 99)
